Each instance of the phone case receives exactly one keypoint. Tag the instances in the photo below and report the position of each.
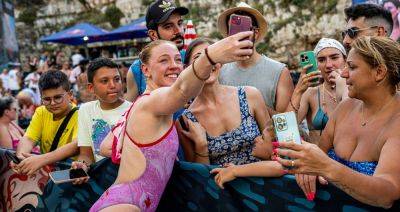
(306, 58)
(286, 127)
(239, 23)
(65, 172)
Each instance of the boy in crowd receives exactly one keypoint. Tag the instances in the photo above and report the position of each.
(96, 118)
(56, 142)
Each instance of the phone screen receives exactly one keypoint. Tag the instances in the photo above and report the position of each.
(67, 175)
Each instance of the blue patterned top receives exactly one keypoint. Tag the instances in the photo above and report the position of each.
(235, 146)
(364, 167)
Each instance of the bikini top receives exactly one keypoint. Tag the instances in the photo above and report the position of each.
(364, 167)
(321, 118)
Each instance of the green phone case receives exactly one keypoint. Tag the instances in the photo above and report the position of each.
(306, 58)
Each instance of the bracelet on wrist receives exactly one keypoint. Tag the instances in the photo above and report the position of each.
(197, 76)
(209, 58)
(204, 155)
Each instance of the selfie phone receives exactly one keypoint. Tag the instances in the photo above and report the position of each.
(239, 23)
(67, 175)
(286, 127)
(12, 157)
(306, 58)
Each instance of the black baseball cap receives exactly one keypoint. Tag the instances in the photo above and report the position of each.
(160, 10)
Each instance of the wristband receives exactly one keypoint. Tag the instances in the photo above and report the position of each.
(197, 76)
(209, 58)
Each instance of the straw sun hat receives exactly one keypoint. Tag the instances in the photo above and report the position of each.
(262, 23)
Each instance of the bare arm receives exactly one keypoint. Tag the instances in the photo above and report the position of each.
(186, 144)
(5, 139)
(32, 163)
(257, 104)
(25, 145)
(188, 85)
(86, 154)
(106, 145)
(133, 90)
(284, 91)
(300, 100)
(257, 169)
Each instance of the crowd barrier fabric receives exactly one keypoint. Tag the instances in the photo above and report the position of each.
(191, 188)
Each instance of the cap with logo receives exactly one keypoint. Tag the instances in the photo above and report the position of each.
(160, 10)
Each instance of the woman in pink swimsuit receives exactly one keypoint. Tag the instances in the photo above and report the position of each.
(145, 141)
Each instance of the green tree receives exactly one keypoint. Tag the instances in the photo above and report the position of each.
(28, 16)
(113, 15)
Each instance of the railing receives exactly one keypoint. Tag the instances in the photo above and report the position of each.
(191, 188)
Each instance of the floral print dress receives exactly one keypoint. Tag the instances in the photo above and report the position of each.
(234, 146)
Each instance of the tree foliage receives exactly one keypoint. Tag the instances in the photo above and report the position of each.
(113, 15)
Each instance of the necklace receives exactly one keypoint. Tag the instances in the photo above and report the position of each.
(332, 96)
(364, 122)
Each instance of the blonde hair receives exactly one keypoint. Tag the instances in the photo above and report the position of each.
(145, 54)
(380, 51)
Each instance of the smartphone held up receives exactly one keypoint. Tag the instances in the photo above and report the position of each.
(286, 127)
(240, 23)
(308, 58)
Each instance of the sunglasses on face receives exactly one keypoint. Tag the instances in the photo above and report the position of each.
(57, 99)
(353, 32)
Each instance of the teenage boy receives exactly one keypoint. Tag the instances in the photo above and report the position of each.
(164, 22)
(56, 141)
(96, 118)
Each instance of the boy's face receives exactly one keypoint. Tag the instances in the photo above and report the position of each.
(57, 100)
(107, 85)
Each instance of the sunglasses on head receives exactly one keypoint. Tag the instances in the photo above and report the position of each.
(353, 32)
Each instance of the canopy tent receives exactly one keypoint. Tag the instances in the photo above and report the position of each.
(136, 29)
(78, 34)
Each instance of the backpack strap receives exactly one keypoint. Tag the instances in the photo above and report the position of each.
(61, 129)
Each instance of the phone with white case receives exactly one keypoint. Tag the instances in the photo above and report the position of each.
(286, 127)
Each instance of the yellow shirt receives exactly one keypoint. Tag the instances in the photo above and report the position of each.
(43, 128)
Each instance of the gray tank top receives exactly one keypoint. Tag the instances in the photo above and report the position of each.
(264, 76)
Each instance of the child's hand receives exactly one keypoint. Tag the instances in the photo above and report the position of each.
(224, 175)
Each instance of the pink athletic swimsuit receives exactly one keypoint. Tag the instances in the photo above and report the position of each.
(144, 192)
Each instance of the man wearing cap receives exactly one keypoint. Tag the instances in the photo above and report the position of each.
(163, 21)
(366, 20)
(271, 77)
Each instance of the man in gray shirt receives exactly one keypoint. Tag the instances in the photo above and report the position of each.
(271, 77)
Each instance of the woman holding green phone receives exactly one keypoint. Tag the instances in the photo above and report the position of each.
(316, 94)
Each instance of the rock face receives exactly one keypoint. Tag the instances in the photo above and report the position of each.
(294, 25)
